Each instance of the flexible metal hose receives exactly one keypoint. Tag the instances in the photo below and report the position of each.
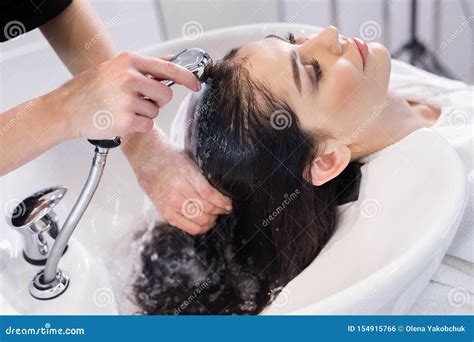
(95, 174)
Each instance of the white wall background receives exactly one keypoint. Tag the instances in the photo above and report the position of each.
(29, 67)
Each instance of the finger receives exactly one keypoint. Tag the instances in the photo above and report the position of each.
(205, 221)
(145, 107)
(209, 226)
(213, 209)
(166, 57)
(205, 190)
(185, 224)
(141, 123)
(165, 70)
(207, 206)
(154, 90)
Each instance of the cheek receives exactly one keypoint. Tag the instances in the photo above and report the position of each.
(347, 89)
(343, 99)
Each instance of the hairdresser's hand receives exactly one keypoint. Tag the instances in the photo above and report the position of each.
(107, 100)
(181, 194)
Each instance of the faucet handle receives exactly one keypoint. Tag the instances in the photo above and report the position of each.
(32, 209)
(35, 219)
(106, 143)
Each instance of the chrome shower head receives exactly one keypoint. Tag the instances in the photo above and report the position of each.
(195, 60)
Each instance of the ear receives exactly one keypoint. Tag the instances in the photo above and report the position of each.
(330, 164)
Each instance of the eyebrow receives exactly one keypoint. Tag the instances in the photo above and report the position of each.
(296, 71)
(294, 63)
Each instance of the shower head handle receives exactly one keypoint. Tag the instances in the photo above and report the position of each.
(195, 60)
(106, 143)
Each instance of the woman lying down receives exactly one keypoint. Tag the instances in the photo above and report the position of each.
(280, 130)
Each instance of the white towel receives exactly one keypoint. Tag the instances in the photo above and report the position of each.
(456, 99)
(451, 290)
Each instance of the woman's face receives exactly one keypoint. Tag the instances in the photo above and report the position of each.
(348, 93)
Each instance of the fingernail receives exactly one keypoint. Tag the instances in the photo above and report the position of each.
(228, 207)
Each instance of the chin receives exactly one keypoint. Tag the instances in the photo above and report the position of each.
(382, 63)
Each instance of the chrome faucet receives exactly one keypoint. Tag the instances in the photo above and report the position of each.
(35, 219)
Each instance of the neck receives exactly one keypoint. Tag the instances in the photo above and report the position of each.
(392, 121)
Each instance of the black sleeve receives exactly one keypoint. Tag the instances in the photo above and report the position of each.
(20, 16)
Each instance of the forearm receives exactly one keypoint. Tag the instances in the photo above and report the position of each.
(173, 182)
(30, 129)
(85, 41)
(141, 148)
(79, 37)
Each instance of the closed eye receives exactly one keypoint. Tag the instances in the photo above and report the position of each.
(314, 71)
(290, 37)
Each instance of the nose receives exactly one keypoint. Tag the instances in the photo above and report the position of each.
(329, 39)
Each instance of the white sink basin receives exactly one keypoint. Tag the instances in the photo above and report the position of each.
(90, 290)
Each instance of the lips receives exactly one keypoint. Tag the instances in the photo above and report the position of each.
(363, 48)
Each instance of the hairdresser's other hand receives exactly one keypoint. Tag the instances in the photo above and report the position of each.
(182, 195)
(174, 184)
(108, 99)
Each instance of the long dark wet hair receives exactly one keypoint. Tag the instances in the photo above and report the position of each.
(250, 146)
